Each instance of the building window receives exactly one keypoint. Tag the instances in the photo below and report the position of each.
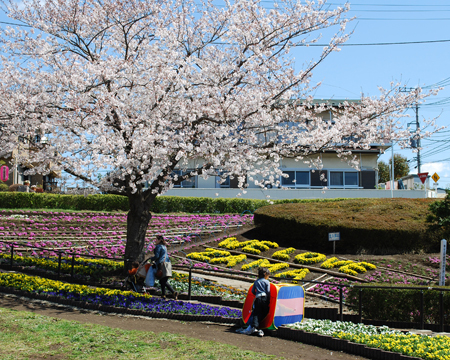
(351, 179)
(189, 183)
(344, 178)
(219, 184)
(295, 178)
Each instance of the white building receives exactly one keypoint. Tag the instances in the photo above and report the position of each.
(335, 173)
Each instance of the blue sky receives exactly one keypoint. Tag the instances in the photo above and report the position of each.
(362, 68)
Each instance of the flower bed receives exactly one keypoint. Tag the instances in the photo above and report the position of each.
(99, 234)
(229, 243)
(249, 246)
(200, 286)
(352, 269)
(283, 254)
(293, 274)
(82, 266)
(255, 264)
(348, 266)
(277, 267)
(230, 261)
(422, 346)
(251, 250)
(309, 258)
(383, 276)
(107, 297)
(332, 291)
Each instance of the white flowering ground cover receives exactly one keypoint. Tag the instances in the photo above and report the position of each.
(329, 328)
(382, 337)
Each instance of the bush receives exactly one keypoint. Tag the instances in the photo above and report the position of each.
(399, 304)
(100, 202)
(440, 214)
(18, 200)
(3, 186)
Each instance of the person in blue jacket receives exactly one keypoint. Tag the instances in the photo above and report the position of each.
(261, 290)
(160, 257)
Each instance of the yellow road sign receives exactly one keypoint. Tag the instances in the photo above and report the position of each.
(435, 177)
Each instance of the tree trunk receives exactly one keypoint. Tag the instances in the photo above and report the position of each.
(137, 223)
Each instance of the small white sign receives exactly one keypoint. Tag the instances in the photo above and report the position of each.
(443, 260)
(334, 236)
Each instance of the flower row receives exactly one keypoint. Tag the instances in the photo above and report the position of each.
(283, 254)
(309, 258)
(212, 256)
(81, 266)
(298, 274)
(232, 243)
(38, 284)
(230, 261)
(422, 346)
(99, 234)
(107, 297)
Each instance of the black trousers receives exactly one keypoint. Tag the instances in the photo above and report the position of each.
(260, 310)
(165, 284)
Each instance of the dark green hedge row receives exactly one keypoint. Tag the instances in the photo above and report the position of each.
(162, 204)
(22, 200)
(400, 305)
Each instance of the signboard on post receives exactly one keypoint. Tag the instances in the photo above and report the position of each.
(435, 177)
(443, 259)
(422, 177)
(336, 236)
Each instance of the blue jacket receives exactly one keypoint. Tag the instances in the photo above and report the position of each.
(160, 254)
(261, 286)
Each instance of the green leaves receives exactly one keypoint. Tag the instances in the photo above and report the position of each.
(440, 214)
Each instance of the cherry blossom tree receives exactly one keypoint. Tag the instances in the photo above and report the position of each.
(141, 88)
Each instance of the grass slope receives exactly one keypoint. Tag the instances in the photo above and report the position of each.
(377, 225)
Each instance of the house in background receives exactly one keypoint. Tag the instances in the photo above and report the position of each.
(413, 182)
(14, 173)
(335, 173)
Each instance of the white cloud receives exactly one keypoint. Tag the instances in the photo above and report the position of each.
(436, 167)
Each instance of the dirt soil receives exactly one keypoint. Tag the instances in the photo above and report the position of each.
(199, 330)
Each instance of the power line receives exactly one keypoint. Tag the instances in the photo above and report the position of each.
(383, 43)
(9, 23)
(401, 19)
(392, 5)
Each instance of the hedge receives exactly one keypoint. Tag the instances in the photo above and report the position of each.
(399, 304)
(162, 204)
(23, 200)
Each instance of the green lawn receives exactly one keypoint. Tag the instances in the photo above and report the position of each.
(25, 335)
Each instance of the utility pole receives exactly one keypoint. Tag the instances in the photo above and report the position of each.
(417, 141)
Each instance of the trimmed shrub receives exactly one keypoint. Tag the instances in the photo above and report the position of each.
(108, 202)
(22, 200)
